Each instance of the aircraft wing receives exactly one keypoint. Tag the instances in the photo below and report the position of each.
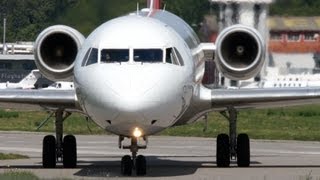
(38, 99)
(264, 98)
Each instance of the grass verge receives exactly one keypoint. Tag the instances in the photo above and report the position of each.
(294, 123)
(12, 156)
(17, 175)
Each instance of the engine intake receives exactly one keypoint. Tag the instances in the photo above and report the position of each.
(240, 52)
(55, 50)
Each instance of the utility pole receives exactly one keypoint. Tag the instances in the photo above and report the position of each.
(4, 45)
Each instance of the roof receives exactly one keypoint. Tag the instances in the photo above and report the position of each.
(16, 57)
(294, 23)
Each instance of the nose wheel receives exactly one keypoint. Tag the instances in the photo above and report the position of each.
(134, 162)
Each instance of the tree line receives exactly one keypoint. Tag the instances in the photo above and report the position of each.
(27, 18)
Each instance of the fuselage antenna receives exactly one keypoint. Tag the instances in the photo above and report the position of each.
(164, 7)
(151, 5)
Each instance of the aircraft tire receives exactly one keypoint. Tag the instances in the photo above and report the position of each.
(243, 150)
(49, 152)
(223, 151)
(141, 166)
(126, 165)
(69, 151)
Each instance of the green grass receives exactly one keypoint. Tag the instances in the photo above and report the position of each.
(17, 175)
(12, 156)
(295, 123)
(29, 121)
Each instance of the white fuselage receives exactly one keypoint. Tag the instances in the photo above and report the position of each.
(122, 94)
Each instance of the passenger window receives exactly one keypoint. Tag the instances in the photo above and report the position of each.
(114, 55)
(148, 55)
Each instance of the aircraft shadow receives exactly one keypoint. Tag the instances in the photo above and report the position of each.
(157, 166)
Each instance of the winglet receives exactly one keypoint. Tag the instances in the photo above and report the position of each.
(154, 4)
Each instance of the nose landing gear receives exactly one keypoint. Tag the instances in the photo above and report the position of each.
(134, 162)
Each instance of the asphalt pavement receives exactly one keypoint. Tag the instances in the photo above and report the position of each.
(167, 158)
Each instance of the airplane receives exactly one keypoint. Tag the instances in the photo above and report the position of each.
(27, 82)
(60, 85)
(141, 73)
(276, 80)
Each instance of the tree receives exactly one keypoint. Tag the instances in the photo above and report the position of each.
(192, 11)
(25, 19)
(295, 8)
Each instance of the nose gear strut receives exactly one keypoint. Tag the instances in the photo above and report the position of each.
(134, 162)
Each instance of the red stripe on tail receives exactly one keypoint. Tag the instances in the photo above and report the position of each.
(156, 4)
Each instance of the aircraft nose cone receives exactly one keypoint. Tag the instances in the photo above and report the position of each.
(131, 84)
(133, 91)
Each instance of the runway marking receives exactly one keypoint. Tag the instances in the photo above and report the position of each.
(180, 147)
(98, 142)
(15, 141)
(20, 149)
(286, 152)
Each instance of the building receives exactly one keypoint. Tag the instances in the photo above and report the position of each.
(287, 34)
(294, 34)
(17, 48)
(17, 61)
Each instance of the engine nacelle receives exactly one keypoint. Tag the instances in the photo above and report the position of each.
(240, 52)
(55, 51)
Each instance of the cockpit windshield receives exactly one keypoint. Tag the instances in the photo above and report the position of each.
(114, 55)
(169, 55)
(148, 55)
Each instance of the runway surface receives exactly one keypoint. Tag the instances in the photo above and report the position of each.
(167, 158)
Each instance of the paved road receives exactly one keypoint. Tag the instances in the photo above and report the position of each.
(168, 158)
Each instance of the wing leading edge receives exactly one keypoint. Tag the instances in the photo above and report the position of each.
(264, 98)
(33, 99)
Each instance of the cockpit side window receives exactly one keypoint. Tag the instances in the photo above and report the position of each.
(173, 57)
(148, 55)
(86, 57)
(91, 57)
(114, 55)
(169, 55)
(179, 57)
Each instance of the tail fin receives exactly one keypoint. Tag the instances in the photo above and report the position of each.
(154, 4)
(29, 80)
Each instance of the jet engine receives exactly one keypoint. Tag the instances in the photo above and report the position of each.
(240, 52)
(55, 51)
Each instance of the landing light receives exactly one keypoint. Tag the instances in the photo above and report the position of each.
(137, 132)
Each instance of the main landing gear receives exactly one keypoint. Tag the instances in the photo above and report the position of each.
(57, 149)
(232, 147)
(134, 162)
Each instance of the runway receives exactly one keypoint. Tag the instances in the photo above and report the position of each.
(167, 158)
